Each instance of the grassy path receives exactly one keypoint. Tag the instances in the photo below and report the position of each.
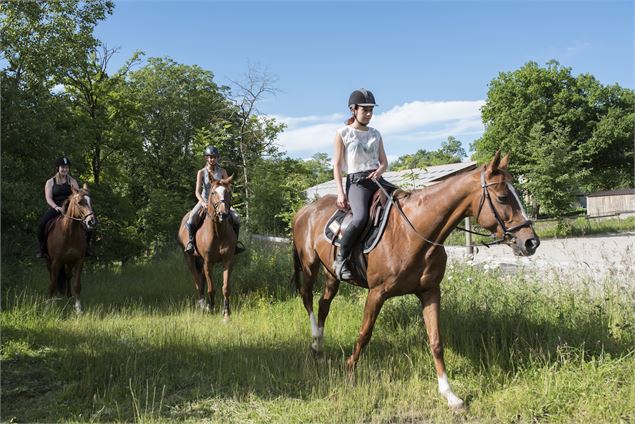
(516, 351)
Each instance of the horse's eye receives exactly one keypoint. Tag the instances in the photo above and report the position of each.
(503, 198)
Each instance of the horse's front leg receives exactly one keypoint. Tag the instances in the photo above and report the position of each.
(431, 301)
(77, 286)
(227, 270)
(374, 301)
(207, 271)
(54, 269)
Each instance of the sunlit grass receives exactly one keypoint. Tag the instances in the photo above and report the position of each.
(517, 350)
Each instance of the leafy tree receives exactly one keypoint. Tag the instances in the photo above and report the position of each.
(173, 103)
(278, 192)
(256, 133)
(551, 105)
(321, 168)
(40, 42)
(451, 151)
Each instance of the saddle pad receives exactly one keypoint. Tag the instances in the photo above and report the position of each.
(372, 232)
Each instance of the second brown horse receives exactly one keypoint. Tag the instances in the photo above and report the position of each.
(411, 259)
(215, 242)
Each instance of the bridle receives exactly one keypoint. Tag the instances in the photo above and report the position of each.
(507, 232)
(82, 219)
(216, 205)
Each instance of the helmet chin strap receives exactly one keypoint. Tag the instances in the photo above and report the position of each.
(358, 121)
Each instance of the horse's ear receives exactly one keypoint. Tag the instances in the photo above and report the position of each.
(229, 179)
(85, 186)
(73, 189)
(504, 162)
(494, 164)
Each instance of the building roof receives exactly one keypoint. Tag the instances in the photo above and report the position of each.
(408, 179)
(620, 192)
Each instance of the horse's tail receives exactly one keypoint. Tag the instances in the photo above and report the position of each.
(297, 267)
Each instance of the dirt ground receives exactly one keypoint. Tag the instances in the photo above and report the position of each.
(592, 257)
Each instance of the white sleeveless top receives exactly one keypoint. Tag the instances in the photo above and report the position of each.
(361, 151)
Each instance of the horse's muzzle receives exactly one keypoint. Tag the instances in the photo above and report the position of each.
(525, 247)
(90, 222)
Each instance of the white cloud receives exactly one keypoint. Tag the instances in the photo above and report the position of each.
(412, 123)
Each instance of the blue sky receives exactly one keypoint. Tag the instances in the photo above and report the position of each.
(428, 63)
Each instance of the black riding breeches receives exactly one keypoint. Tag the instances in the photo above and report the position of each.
(360, 193)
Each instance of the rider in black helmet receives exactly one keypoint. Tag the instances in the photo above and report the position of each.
(204, 178)
(359, 151)
(56, 190)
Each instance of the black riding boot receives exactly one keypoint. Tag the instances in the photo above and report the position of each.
(191, 230)
(239, 246)
(41, 250)
(341, 265)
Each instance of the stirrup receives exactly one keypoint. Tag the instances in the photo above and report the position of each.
(342, 270)
(240, 247)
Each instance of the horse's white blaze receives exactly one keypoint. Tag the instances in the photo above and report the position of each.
(520, 205)
(221, 191)
(444, 388)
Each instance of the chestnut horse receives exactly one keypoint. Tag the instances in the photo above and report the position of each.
(411, 259)
(215, 242)
(67, 245)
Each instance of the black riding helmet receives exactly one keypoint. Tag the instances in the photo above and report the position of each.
(361, 97)
(211, 151)
(62, 161)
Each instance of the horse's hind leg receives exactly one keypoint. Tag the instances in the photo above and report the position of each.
(431, 299)
(309, 274)
(331, 287)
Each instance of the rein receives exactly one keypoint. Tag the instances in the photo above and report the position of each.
(507, 232)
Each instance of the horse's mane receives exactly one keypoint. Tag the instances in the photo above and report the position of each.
(70, 206)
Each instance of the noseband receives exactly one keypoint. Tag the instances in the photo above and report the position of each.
(507, 232)
(82, 219)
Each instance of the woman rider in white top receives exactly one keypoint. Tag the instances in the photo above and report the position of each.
(359, 150)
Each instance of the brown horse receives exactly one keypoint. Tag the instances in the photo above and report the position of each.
(411, 259)
(67, 245)
(215, 242)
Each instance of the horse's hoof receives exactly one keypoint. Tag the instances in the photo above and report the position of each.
(455, 403)
(317, 346)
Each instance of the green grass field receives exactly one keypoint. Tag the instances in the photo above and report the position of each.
(517, 350)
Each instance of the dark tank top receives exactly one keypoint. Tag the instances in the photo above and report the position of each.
(61, 192)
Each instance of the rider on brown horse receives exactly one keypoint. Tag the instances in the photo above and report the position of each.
(56, 190)
(204, 177)
(359, 150)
